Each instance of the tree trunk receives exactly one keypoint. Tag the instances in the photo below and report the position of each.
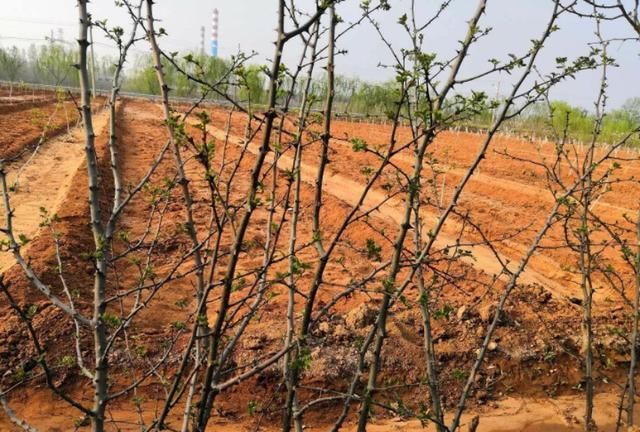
(100, 380)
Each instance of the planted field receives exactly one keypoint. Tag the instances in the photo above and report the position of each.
(530, 354)
(396, 216)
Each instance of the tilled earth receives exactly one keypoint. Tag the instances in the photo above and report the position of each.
(535, 352)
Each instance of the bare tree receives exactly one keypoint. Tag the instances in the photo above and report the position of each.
(273, 199)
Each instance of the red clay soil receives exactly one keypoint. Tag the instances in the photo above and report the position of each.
(536, 344)
(509, 198)
(24, 128)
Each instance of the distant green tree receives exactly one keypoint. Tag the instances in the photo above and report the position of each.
(574, 119)
(345, 90)
(53, 64)
(204, 68)
(143, 77)
(215, 68)
(11, 64)
(251, 84)
(632, 107)
(375, 99)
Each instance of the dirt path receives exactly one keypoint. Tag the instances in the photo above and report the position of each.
(534, 191)
(45, 181)
(525, 415)
(561, 414)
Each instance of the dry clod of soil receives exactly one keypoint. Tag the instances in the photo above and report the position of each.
(324, 327)
(462, 313)
(255, 342)
(340, 332)
(486, 312)
(330, 363)
(360, 317)
(542, 295)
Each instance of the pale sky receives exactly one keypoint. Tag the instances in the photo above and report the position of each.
(249, 25)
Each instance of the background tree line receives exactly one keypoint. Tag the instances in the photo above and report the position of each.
(53, 64)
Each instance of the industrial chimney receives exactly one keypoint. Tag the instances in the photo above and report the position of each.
(202, 51)
(214, 34)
